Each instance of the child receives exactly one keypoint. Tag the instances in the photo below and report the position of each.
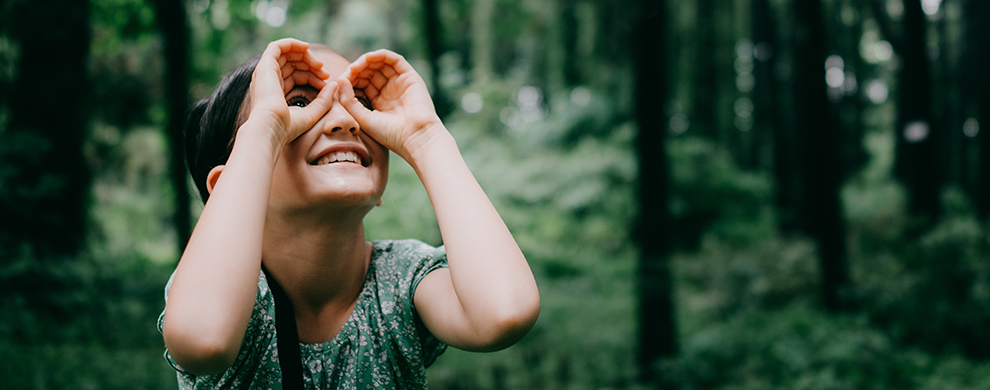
(291, 152)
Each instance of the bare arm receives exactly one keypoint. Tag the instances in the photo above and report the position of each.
(488, 298)
(215, 283)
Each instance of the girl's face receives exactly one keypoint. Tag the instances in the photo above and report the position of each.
(334, 164)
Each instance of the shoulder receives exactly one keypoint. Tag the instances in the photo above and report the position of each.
(407, 258)
(402, 264)
(406, 248)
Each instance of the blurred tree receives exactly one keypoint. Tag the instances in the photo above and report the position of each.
(330, 9)
(918, 163)
(977, 62)
(171, 16)
(482, 42)
(848, 26)
(569, 34)
(947, 109)
(435, 48)
(657, 336)
(770, 116)
(44, 189)
(820, 213)
(704, 115)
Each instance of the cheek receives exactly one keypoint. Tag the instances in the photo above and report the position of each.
(283, 175)
(383, 175)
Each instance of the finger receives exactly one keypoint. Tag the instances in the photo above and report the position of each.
(357, 67)
(361, 83)
(295, 66)
(320, 105)
(351, 102)
(389, 72)
(283, 46)
(301, 78)
(379, 80)
(389, 57)
(291, 66)
(371, 92)
(286, 50)
(366, 73)
(286, 45)
(315, 65)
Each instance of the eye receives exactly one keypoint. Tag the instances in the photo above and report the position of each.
(297, 101)
(364, 101)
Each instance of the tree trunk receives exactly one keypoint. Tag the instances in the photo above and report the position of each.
(819, 136)
(785, 138)
(768, 113)
(918, 163)
(569, 34)
(704, 116)
(978, 60)
(657, 336)
(435, 48)
(44, 191)
(172, 21)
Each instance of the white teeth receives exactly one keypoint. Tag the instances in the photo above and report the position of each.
(339, 157)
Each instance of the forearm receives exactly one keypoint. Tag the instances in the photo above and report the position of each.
(489, 274)
(215, 284)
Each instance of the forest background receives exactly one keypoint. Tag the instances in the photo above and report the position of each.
(713, 194)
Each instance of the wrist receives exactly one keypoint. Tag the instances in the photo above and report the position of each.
(437, 151)
(262, 134)
(427, 143)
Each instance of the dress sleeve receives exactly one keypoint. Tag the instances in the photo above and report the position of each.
(256, 352)
(431, 260)
(161, 322)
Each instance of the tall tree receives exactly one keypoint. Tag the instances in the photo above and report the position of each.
(819, 140)
(172, 21)
(917, 163)
(769, 115)
(434, 48)
(977, 61)
(704, 116)
(569, 39)
(46, 183)
(657, 335)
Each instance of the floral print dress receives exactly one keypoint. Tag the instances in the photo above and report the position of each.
(383, 345)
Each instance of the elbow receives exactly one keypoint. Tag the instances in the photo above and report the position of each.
(506, 327)
(199, 352)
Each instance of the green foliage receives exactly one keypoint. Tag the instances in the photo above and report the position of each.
(934, 291)
(721, 279)
(799, 347)
(559, 165)
(927, 288)
(710, 193)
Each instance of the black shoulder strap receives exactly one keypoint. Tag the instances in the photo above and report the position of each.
(287, 336)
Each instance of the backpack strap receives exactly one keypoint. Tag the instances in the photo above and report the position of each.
(287, 336)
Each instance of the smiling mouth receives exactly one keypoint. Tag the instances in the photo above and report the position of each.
(340, 157)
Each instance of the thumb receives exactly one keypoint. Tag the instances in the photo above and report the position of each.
(305, 118)
(350, 102)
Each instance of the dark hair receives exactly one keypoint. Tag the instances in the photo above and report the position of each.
(212, 124)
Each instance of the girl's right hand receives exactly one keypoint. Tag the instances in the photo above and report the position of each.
(287, 63)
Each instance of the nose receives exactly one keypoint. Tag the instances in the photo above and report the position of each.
(338, 119)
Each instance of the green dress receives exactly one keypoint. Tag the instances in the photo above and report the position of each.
(383, 345)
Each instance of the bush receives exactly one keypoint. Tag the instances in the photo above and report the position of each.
(799, 347)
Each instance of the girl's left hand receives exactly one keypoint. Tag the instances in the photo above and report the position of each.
(404, 118)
